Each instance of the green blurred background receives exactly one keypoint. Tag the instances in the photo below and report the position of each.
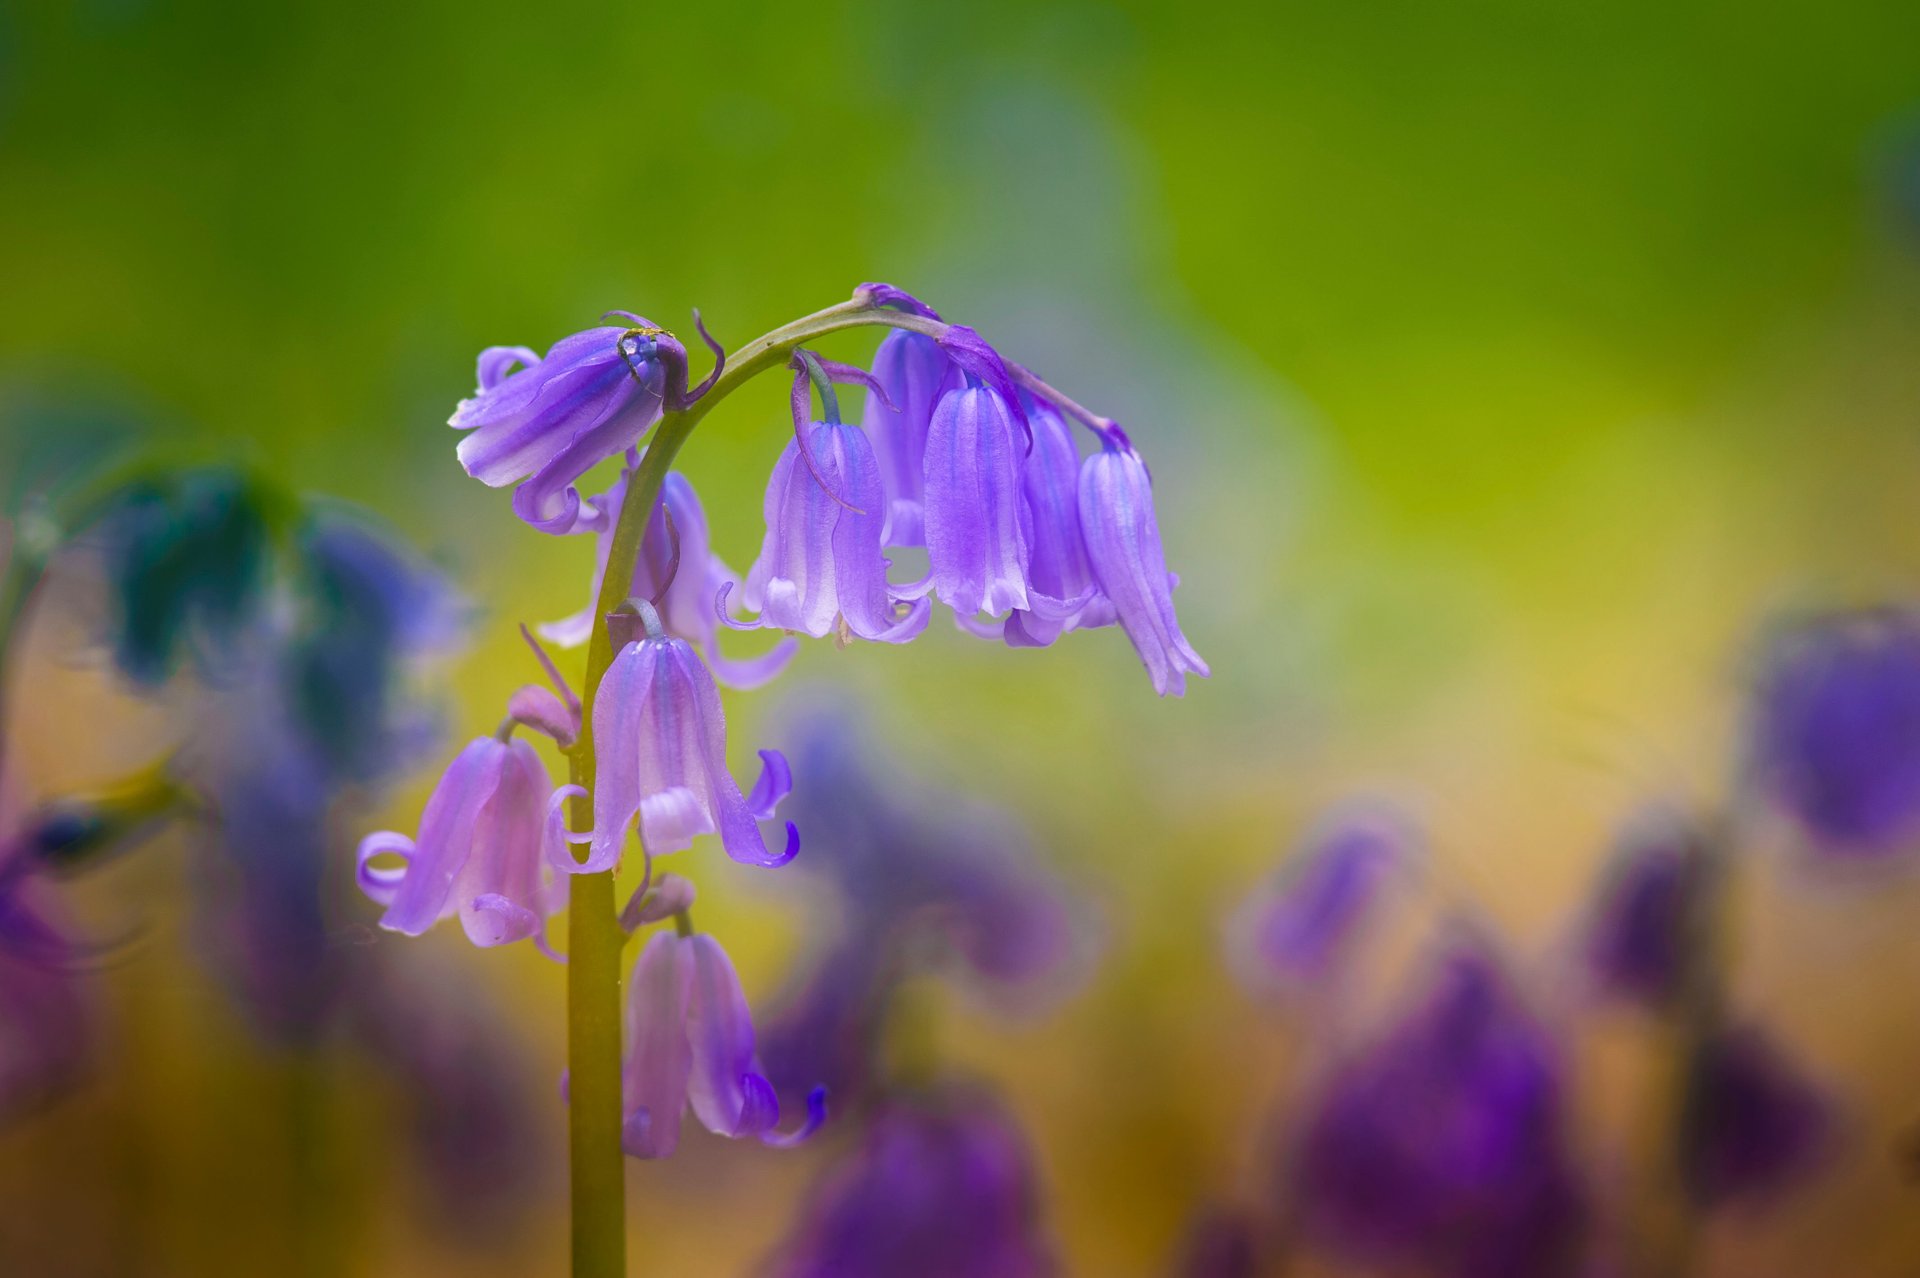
(1503, 367)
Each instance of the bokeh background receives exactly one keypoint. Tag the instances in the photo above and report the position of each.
(1505, 370)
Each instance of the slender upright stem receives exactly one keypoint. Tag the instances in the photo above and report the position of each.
(594, 936)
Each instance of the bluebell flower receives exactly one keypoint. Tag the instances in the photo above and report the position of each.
(1123, 545)
(1836, 734)
(1441, 1148)
(941, 1185)
(1753, 1126)
(1646, 931)
(545, 424)
(914, 373)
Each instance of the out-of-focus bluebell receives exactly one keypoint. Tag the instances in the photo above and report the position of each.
(922, 881)
(1440, 1149)
(1836, 730)
(1646, 930)
(46, 1034)
(1754, 1126)
(941, 1185)
(1302, 924)
(1220, 1242)
(463, 1089)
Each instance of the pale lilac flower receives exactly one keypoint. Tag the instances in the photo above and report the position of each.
(942, 1185)
(488, 840)
(1123, 544)
(913, 372)
(1836, 739)
(689, 1042)
(661, 738)
(820, 563)
(677, 567)
(592, 398)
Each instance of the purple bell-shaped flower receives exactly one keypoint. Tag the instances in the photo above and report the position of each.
(690, 1042)
(592, 397)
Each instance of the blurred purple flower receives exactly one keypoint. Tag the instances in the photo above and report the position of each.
(1300, 926)
(1836, 738)
(1123, 544)
(941, 1186)
(1645, 933)
(662, 741)
(913, 373)
(690, 1042)
(1753, 1126)
(46, 1033)
(679, 569)
(1219, 1243)
(1441, 1147)
(592, 398)
(489, 840)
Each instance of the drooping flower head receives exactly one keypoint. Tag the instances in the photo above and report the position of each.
(1836, 735)
(821, 564)
(1300, 926)
(661, 739)
(489, 839)
(1753, 1126)
(942, 1185)
(1646, 930)
(544, 425)
(1441, 1147)
(1123, 545)
(677, 567)
(690, 1043)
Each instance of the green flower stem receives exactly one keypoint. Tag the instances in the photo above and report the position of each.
(594, 936)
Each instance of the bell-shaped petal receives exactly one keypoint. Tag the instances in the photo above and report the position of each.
(1123, 545)
(913, 373)
(678, 567)
(977, 524)
(659, 1059)
(661, 739)
(820, 560)
(690, 1042)
(1837, 731)
(592, 397)
(480, 854)
(1061, 586)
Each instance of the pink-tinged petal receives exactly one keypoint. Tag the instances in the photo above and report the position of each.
(620, 718)
(379, 884)
(659, 1057)
(502, 889)
(775, 784)
(977, 523)
(739, 831)
(720, 1029)
(534, 707)
(570, 631)
(672, 895)
(1123, 545)
(554, 843)
(446, 837)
